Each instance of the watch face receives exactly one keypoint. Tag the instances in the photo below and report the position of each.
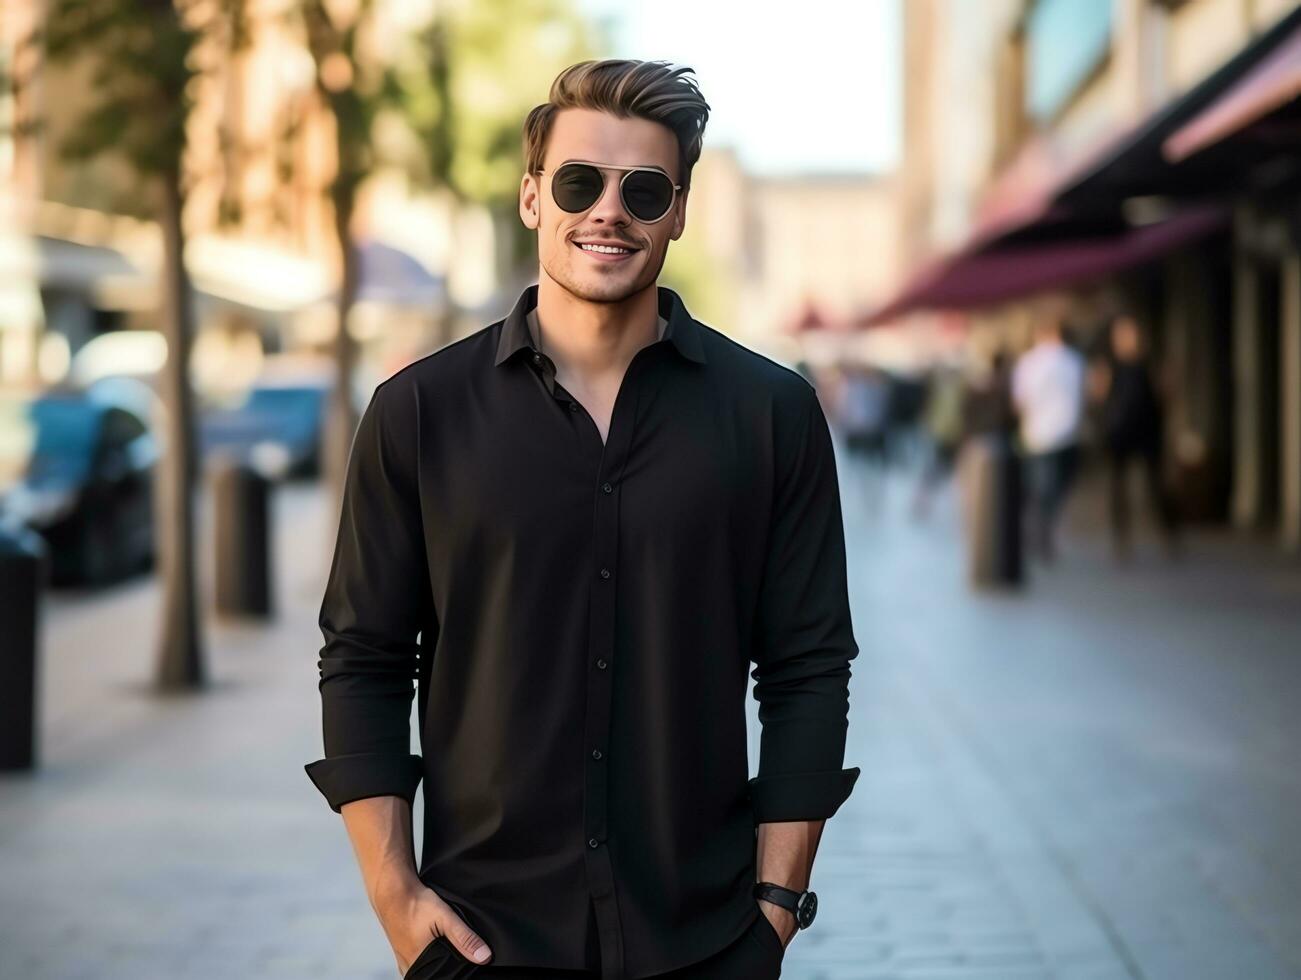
(806, 909)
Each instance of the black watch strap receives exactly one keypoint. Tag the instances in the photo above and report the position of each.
(803, 905)
(787, 898)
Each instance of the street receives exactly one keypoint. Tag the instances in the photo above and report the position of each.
(1092, 779)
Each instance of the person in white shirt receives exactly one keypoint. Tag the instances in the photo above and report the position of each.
(1048, 392)
(864, 413)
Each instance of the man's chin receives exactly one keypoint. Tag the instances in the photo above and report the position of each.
(603, 292)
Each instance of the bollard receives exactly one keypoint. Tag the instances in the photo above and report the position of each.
(241, 498)
(994, 545)
(24, 566)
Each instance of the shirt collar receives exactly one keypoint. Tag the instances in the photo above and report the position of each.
(682, 331)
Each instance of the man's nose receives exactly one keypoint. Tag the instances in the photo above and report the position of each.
(609, 207)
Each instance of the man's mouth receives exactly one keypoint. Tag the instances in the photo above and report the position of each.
(606, 252)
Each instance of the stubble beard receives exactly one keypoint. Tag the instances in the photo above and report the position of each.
(600, 289)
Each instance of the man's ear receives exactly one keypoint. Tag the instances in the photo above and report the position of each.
(528, 202)
(679, 217)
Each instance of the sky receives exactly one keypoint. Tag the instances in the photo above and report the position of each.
(831, 102)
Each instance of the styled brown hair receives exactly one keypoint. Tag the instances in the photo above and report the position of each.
(654, 90)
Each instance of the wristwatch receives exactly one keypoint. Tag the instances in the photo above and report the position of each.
(803, 904)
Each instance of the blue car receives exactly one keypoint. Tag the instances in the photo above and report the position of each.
(77, 466)
(276, 429)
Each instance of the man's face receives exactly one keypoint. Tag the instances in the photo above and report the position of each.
(599, 137)
(1125, 339)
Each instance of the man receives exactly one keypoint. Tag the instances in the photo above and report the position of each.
(1133, 426)
(1048, 393)
(594, 514)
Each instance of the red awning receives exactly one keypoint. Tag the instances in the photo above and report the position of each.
(1022, 199)
(1269, 86)
(810, 318)
(973, 279)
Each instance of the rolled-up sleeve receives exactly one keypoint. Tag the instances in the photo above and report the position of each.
(377, 600)
(804, 637)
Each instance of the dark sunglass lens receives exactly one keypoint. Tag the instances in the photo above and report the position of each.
(576, 187)
(647, 194)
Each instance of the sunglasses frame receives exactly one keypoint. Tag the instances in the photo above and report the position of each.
(602, 168)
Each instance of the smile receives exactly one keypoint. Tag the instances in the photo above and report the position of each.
(606, 253)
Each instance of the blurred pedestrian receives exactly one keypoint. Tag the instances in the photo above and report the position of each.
(904, 407)
(1048, 393)
(987, 400)
(1132, 424)
(942, 424)
(864, 412)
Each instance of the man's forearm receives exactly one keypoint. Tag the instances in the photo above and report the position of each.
(380, 830)
(786, 850)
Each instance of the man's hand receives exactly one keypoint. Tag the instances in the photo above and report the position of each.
(415, 919)
(412, 914)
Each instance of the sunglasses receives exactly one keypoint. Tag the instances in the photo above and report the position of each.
(647, 194)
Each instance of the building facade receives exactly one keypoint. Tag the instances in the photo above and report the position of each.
(1065, 165)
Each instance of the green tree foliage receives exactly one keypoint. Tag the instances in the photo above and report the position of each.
(141, 78)
(142, 62)
(464, 85)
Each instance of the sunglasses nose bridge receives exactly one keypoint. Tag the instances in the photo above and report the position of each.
(610, 201)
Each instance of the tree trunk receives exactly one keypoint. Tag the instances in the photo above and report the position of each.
(342, 421)
(180, 660)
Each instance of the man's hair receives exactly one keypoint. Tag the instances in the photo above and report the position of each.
(654, 90)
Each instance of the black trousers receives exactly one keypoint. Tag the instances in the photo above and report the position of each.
(756, 954)
(1051, 475)
(1119, 459)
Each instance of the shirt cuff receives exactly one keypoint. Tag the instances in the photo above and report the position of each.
(800, 795)
(360, 775)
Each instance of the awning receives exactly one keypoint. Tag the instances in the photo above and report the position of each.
(106, 277)
(253, 275)
(1020, 204)
(1274, 84)
(814, 319)
(1137, 166)
(72, 265)
(393, 277)
(982, 278)
(1022, 208)
(1048, 229)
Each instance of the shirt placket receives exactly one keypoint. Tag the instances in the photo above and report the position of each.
(601, 655)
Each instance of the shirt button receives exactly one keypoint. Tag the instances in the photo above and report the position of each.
(606, 487)
(605, 573)
(596, 753)
(537, 358)
(593, 842)
(573, 406)
(600, 663)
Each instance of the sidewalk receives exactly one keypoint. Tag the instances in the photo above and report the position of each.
(180, 837)
(1093, 780)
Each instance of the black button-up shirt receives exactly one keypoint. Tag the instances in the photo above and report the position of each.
(580, 617)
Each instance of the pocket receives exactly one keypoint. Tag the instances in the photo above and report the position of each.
(768, 934)
(422, 959)
(439, 944)
(766, 952)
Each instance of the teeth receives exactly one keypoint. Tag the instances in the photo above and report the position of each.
(604, 248)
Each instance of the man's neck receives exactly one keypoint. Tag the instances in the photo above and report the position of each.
(593, 338)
